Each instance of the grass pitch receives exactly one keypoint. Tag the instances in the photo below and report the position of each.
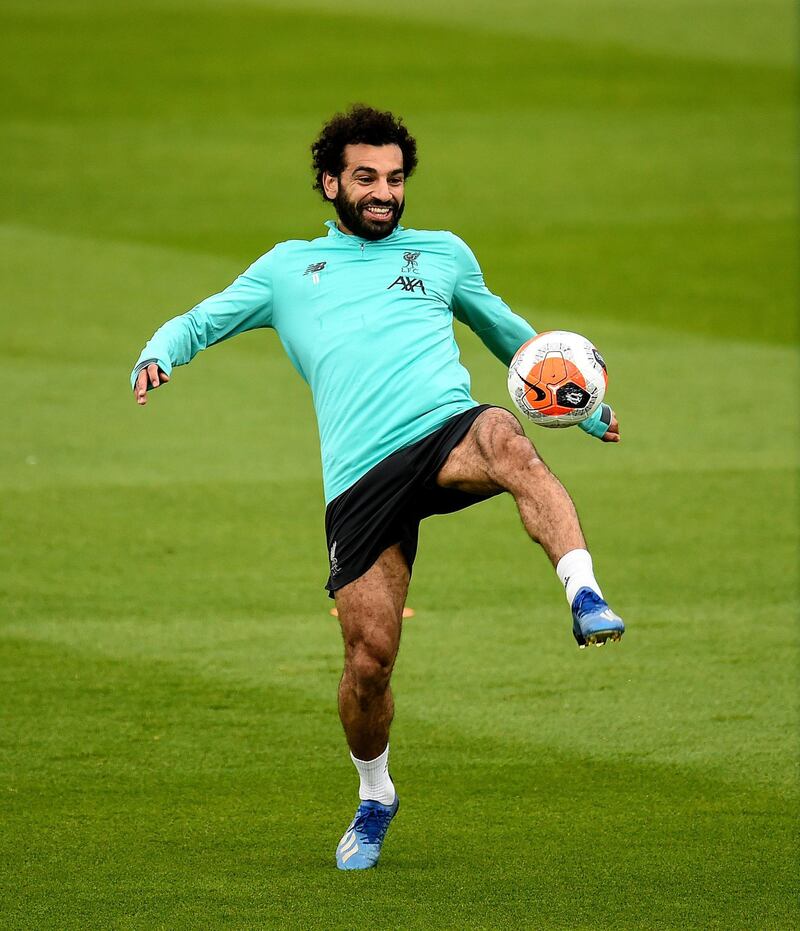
(171, 755)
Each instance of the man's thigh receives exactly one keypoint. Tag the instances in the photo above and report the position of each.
(371, 607)
(478, 463)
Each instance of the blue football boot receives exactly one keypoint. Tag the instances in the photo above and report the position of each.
(360, 847)
(593, 622)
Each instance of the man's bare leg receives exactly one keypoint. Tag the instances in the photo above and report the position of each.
(371, 614)
(497, 456)
(494, 456)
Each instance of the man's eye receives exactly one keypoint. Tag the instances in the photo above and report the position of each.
(395, 180)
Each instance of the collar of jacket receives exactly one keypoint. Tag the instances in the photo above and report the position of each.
(334, 231)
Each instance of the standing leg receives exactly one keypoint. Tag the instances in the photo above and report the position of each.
(371, 614)
(495, 455)
(371, 611)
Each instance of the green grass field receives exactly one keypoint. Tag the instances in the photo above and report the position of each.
(170, 751)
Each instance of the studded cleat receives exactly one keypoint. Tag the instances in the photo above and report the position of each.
(593, 622)
(360, 847)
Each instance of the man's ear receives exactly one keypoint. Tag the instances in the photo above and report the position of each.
(330, 185)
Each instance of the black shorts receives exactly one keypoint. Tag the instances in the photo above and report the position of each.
(385, 506)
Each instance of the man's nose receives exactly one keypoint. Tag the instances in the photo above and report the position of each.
(382, 191)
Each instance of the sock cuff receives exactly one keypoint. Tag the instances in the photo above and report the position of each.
(379, 760)
(570, 557)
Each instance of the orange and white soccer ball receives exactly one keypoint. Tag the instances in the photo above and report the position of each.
(557, 379)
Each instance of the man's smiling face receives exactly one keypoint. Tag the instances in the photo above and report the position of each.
(369, 194)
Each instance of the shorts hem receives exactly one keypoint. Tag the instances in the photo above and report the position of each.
(340, 582)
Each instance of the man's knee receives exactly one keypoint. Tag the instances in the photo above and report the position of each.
(494, 426)
(507, 449)
(369, 660)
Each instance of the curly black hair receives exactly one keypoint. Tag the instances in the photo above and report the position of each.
(360, 124)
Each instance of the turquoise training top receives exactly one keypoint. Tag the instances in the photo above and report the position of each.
(369, 325)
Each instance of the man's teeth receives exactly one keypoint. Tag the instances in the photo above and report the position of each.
(383, 211)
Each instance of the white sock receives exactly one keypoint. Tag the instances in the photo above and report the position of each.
(575, 571)
(376, 784)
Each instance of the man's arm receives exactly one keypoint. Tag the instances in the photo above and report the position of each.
(246, 304)
(503, 332)
(488, 316)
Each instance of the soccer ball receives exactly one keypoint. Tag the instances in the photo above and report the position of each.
(557, 379)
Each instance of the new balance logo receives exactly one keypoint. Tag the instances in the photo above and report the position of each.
(314, 269)
(334, 560)
(408, 284)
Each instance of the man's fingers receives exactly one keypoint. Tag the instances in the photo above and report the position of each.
(612, 434)
(153, 376)
(140, 391)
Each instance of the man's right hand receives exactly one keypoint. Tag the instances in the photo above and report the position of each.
(152, 375)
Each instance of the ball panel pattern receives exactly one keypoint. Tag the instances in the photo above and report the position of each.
(557, 379)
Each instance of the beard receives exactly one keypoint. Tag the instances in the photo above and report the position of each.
(351, 214)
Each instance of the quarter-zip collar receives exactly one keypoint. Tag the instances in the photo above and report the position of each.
(334, 231)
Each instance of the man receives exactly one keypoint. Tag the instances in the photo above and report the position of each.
(366, 317)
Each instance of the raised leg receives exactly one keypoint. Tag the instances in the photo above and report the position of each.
(371, 614)
(497, 456)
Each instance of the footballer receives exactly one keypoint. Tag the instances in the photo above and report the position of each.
(366, 307)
